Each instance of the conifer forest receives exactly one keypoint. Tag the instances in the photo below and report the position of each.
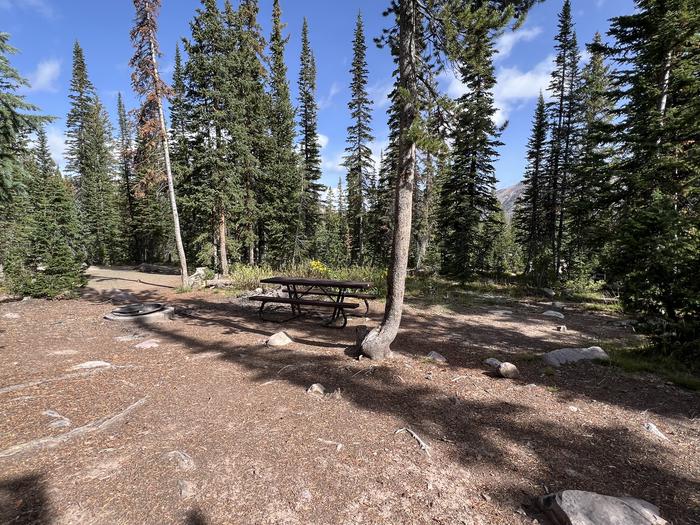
(221, 166)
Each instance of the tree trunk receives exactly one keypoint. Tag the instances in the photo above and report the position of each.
(376, 344)
(168, 169)
(223, 252)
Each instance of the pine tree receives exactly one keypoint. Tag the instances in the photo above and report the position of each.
(358, 158)
(147, 83)
(564, 115)
(309, 147)
(126, 172)
(82, 96)
(468, 201)
(380, 212)
(656, 240)
(529, 216)
(589, 205)
(52, 258)
(281, 191)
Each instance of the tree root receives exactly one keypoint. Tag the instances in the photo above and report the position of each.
(12, 388)
(52, 441)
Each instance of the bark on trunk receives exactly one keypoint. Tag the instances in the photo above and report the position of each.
(223, 252)
(376, 343)
(168, 169)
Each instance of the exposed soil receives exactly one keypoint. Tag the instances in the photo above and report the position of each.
(212, 426)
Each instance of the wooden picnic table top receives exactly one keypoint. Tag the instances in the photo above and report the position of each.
(326, 283)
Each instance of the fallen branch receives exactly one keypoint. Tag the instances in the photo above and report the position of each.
(12, 388)
(423, 444)
(53, 441)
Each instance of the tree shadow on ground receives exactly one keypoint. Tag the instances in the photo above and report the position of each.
(23, 501)
(476, 428)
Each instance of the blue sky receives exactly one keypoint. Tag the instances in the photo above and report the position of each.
(44, 31)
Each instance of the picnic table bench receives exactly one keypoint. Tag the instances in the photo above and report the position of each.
(299, 289)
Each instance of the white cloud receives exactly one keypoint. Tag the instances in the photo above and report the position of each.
(323, 140)
(333, 164)
(44, 77)
(57, 144)
(513, 86)
(40, 6)
(379, 93)
(325, 102)
(507, 40)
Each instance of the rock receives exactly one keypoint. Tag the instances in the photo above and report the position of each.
(198, 278)
(553, 313)
(508, 370)
(558, 306)
(577, 507)
(651, 427)
(148, 343)
(549, 292)
(125, 338)
(437, 357)
(279, 339)
(492, 362)
(11, 315)
(184, 460)
(258, 291)
(573, 408)
(564, 356)
(187, 489)
(561, 328)
(316, 388)
(87, 365)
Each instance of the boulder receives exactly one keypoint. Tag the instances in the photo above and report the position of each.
(434, 356)
(508, 370)
(554, 313)
(87, 365)
(316, 388)
(564, 356)
(549, 292)
(279, 339)
(578, 507)
(492, 362)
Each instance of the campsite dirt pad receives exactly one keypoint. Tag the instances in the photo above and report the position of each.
(212, 426)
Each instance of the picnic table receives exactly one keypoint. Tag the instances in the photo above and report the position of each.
(333, 293)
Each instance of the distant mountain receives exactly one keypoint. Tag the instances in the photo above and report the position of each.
(509, 196)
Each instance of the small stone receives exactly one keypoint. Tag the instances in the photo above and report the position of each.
(549, 292)
(306, 495)
(187, 489)
(279, 339)
(148, 343)
(64, 352)
(87, 365)
(183, 459)
(437, 357)
(563, 356)
(508, 370)
(125, 338)
(561, 328)
(486, 496)
(492, 362)
(651, 427)
(552, 313)
(11, 315)
(573, 408)
(316, 388)
(558, 305)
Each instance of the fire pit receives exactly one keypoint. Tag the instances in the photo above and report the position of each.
(142, 312)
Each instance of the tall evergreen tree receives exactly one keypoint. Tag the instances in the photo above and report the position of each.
(589, 205)
(654, 254)
(281, 190)
(82, 96)
(309, 147)
(358, 158)
(127, 176)
(468, 200)
(564, 115)
(529, 217)
(148, 84)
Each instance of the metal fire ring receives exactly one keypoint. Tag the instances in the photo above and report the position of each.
(137, 309)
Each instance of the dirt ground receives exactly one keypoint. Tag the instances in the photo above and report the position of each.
(212, 426)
